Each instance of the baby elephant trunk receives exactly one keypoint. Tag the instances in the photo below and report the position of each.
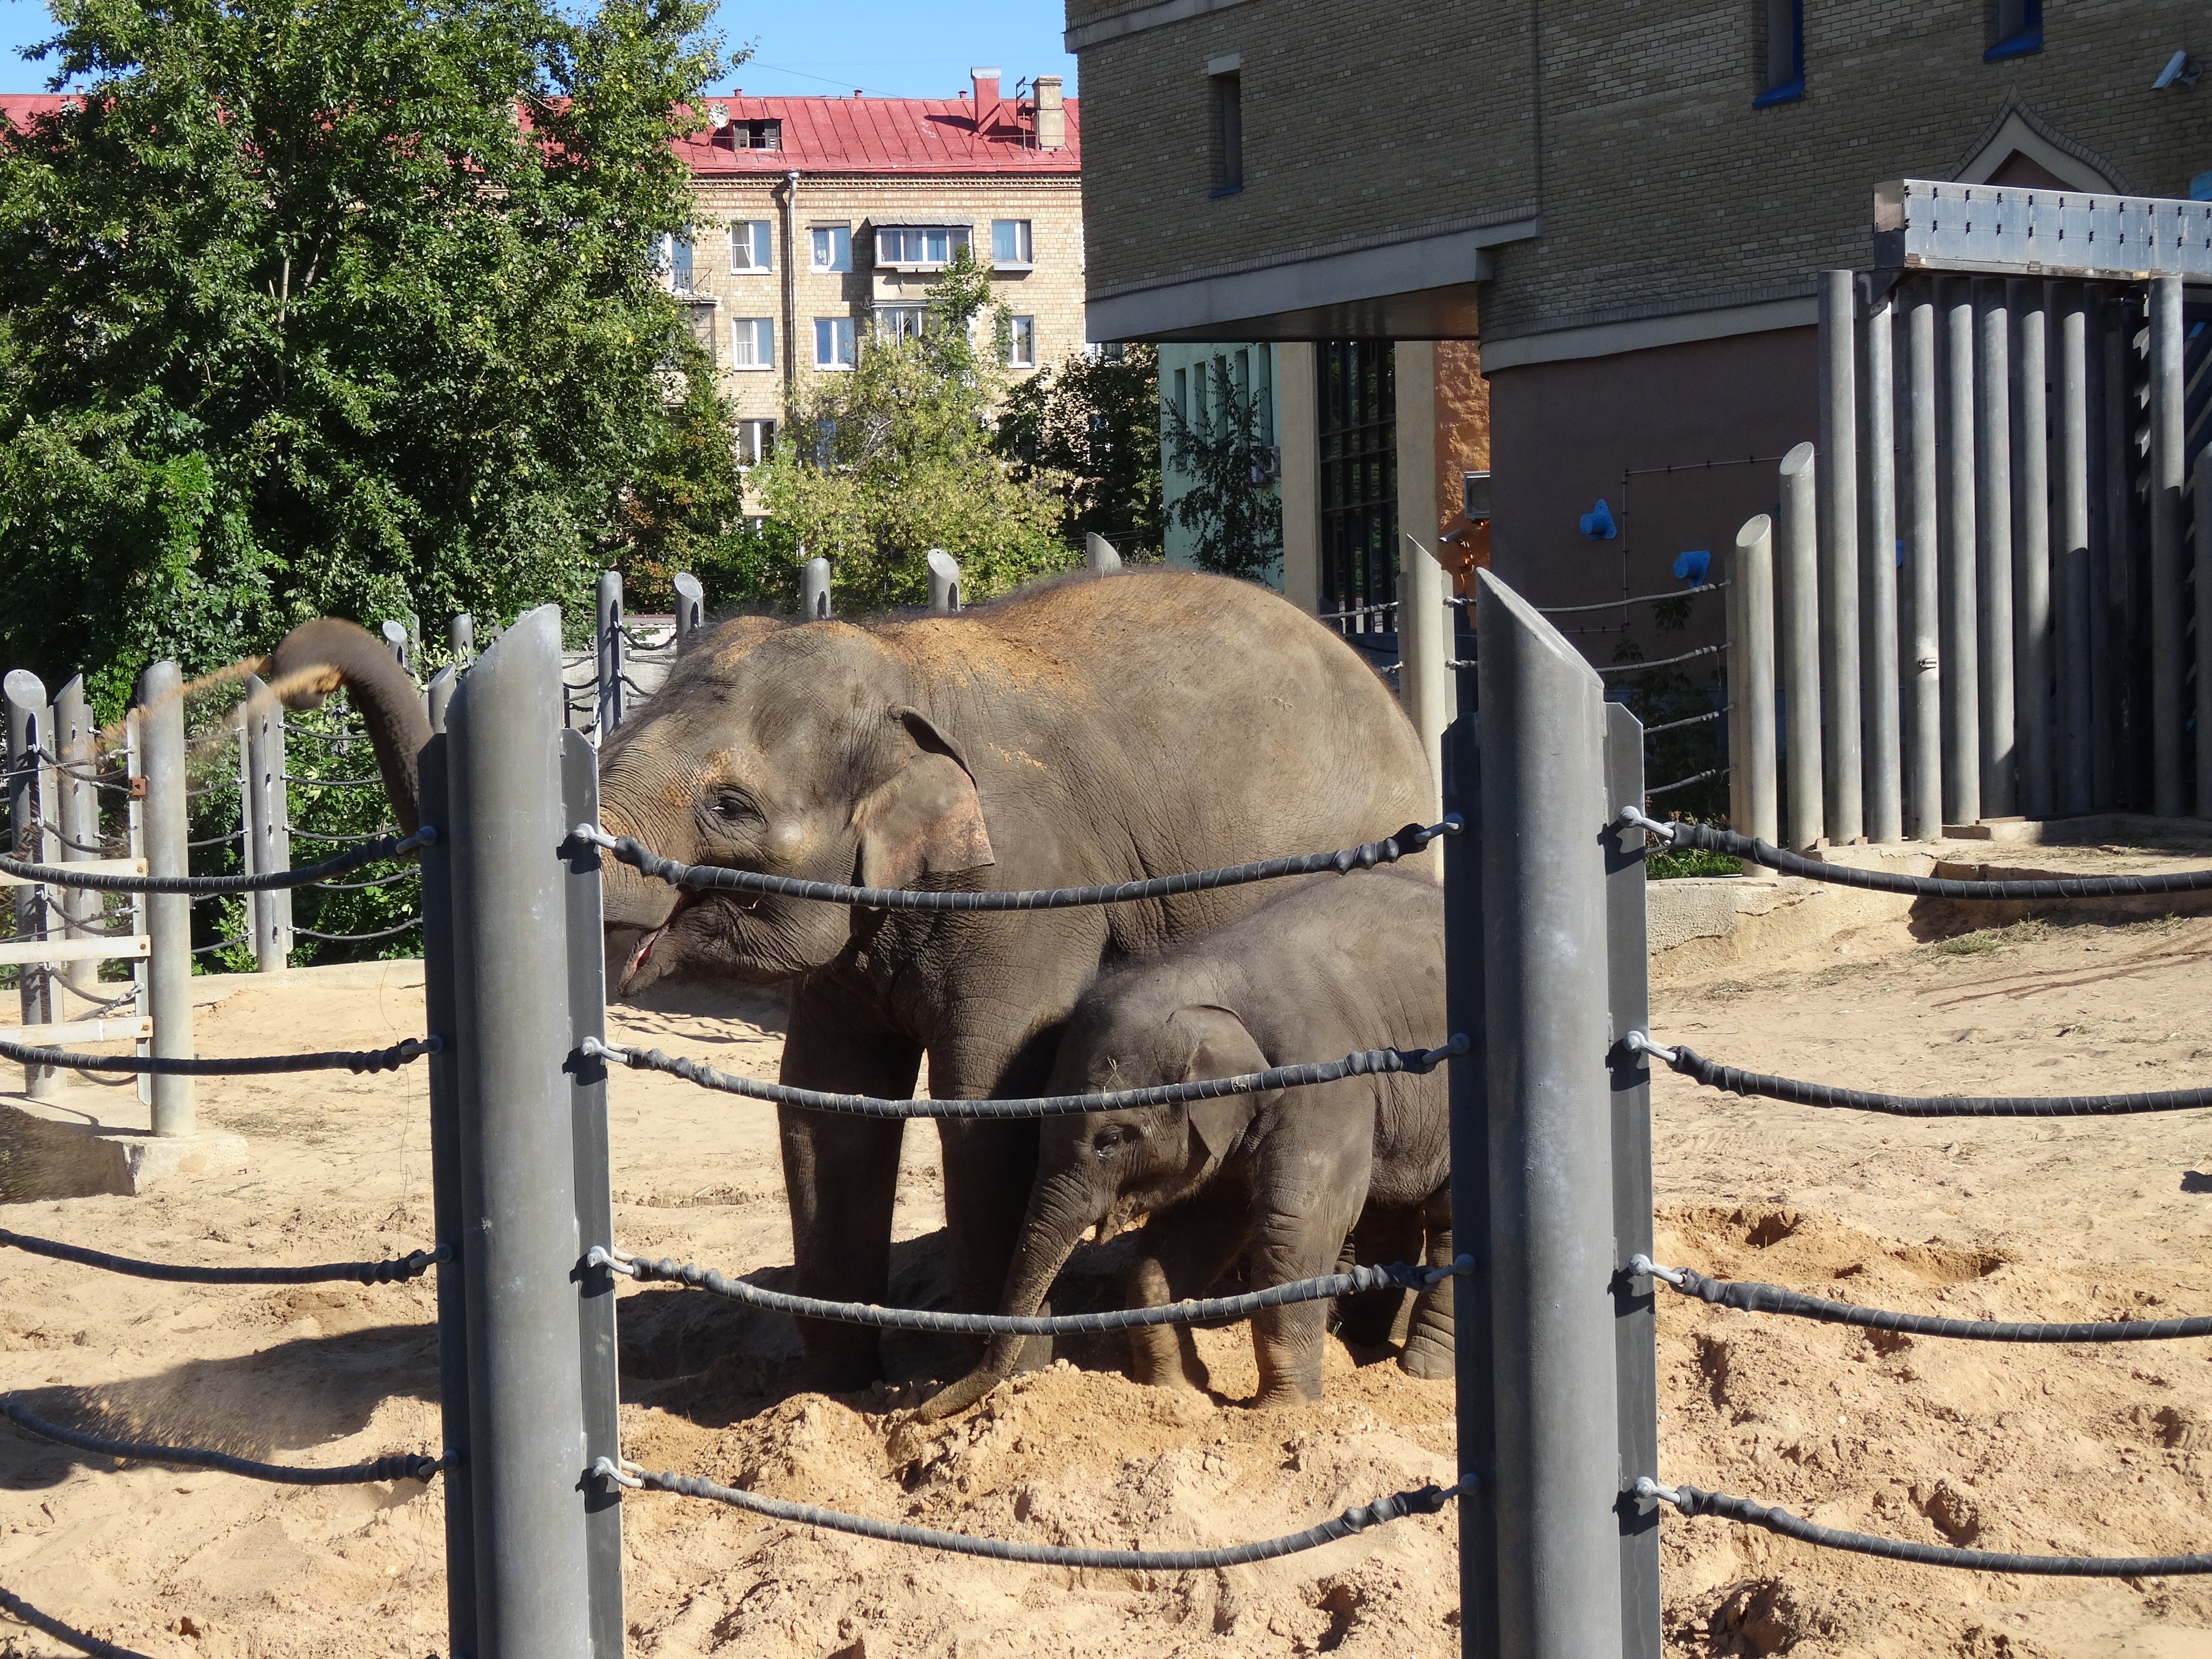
(1049, 1238)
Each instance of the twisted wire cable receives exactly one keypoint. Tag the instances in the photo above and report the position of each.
(1663, 662)
(352, 939)
(1675, 725)
(45, 1623)
(400, 874)
(1410, 840)
(1394, 1275)
(311, 835)
(218, 841)
(1424, 1500)
(337, 783)
(1705, 837)
(1694, 1501)
(1612, 604)
(1366, 1063)
(220, 945)
(1684, 783)
(1691, 1064)
(356, 1061)
(391, 1270)
(402, 1466)
(61, 875)
(1750, 1296)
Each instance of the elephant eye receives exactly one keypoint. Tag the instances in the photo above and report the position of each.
(1111, 1139)
(733, 806)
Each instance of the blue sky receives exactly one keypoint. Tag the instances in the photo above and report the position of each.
(895, 48)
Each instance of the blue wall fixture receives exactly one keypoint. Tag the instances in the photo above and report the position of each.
(1597, 524)
(1692, 566)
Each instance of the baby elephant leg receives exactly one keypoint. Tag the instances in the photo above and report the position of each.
(1428, 1351)
(1180, 1253)
(1288, 1340)
(1365, 1318)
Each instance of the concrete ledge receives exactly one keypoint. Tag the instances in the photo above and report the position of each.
(48, 1151)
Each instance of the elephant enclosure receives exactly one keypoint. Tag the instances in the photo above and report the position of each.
(2067, 1450)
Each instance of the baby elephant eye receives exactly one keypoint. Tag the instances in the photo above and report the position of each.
(1112, 1139)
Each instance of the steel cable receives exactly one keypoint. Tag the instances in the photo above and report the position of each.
(403, 1465)
(1369, 1062)
(354, 1061)
(1395, 1275)
(221, 944)
(391, 1270)
(1640, 598)
(1684, 783)
(17, 1607)
(1663, 662)
(1675, 725)
(382, 847)
(1425, 1500)
(355, 939)
(338, 783)
(400, 874)
(1411, 839)
(1694, 1501)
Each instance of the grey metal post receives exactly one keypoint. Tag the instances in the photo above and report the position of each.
(1958, 601)
(522, 1104)
(2203, 539)
(2169, 438)
(438, 696)
(2121, 782)
(814, 590)
(2070, 585)
(25, 695)
(1885, 812)
(267, 829)
(1752, 805)
(1922, 609)
(1549, 1258)
(2031, 549)
(134, 828)
(1098, 554)
(690, 606)
(1836, 501)
(79, 816)
(944, 581)
(461, 636)
(612, 650)
(1993, 551)
(397, 642)
(168, 915)
(1797, 605)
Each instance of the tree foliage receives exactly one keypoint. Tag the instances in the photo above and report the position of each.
(1234, 505)
(885, 461)
(343, 307)
(1093, 424)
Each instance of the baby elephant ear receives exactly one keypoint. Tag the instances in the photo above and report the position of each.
(1219, 1047)
(925, 819)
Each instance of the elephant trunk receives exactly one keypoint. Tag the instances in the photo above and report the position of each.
(317, 657)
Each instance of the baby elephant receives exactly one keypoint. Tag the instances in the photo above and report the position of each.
(1275, 1181)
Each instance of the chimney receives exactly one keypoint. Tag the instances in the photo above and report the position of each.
(1051, 118)
(986, 96)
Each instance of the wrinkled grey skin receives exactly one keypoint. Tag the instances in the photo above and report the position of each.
(1091, 730)
(1273, 1182)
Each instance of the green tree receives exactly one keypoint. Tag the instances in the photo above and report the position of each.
(883, 462)
(343, 307)
(1094, 423)
(1234, 505)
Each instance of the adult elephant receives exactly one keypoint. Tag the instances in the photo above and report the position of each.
(1095, 730)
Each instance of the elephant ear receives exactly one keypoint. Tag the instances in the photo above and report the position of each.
(926, 818)
(1219, 1047)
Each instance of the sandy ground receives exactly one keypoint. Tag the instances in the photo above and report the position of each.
(2090, 1450)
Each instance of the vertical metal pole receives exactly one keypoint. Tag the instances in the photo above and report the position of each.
(1993, 556)
(142, 979)
(690, 607)
(271, 837)
(516, 1082)
(257, 906)
(1885, 812)
(26, 697)
(1797, 604)
(2070, 588)
(1920, 630)
(1752, 804)
(1550, 1260)
(1958, 601)
(2123, 562)
(612, 653)
(2169, 438)
(399, 642)
(1635, 1327)
(461, 636)
(2031, 550)
(1098, 554)
(2202, 532)
(1427, 687)
(814, 590)
(79, 819)
(944, 581)
(438, 696)
(1837, 501)
(168, 915)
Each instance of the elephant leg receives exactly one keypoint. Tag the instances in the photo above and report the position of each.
(1429, 1351)
(1365, 1319)
(842, 1176)
(1287, 1341)
(1180, 1253)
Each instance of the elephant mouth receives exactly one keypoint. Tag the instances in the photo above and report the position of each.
(685, 898)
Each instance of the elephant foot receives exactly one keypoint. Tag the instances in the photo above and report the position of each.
(957, 1396)
(1287, 1392)
(1166, 1357)
(1427, 1360)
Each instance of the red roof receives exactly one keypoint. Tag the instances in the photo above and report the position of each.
(886, 135)
(22, 108)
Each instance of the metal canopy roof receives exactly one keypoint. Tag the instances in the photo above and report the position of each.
(1923, 225)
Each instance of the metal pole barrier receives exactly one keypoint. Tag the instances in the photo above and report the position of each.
(1797, 605)
(1885, 812)
(1922, 609)
(944, 581)
(438, 696)
(461, 636)
(1752, 805)
(814, 590)
(1098, 554)
(73, 736)
(1960, 650)
(2030, 547)
(2070, 583)
(142, 979)
(690, 607)
(2127, 722)
(2169, 438)
(168, 915)
(1549, 1255)
(25, 695)
(267, 834)
(612, 651)
(2203, 537)
(1426, 685)
(257, 906)
(539, 1326)
(1994, 554)
(396, 641)
(1836, 497)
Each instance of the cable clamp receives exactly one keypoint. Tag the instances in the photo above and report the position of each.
(1461, 1265)
(600, 1256)
(593, 1048)
(607, 1469)
(593, 836)
(1640, 1042)
(1634, 817)
(1648, 1489)
(1645, 1268)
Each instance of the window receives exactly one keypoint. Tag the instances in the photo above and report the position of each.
(675, 260)
(2018, 30)
(919, 245)
(1020, 342)
(833, 343)
(1359, 433)
(1783, 53)
(752, 342)
(900, 322)
(699, 318)
(1183, 394)
(752, 246)
(756, 441)
(833, 247)
(1228, 96)
(757, 135)
(1010, 242)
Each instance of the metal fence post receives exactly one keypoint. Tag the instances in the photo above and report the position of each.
(1961, 649)
(397, 640)
(2030, 547)
(1753, 806)
(79, 818)
(1550, 1257)
(461, 636)
(1837, 501)
(944, 581)
(1798, 601)
(525, 955)
(1878, 563)
(2169, 441)
(142, 977)
(168, 915)
(2070, 576)
(690, 607)
(25, 695)
(814, 590)
(269, 835)
(1994, 554)
(1098, 554)
(2121, 782)
(612, 651)
(438, 696)
(1920, 642)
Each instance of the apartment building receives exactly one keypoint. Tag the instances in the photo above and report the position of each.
(822, 219)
